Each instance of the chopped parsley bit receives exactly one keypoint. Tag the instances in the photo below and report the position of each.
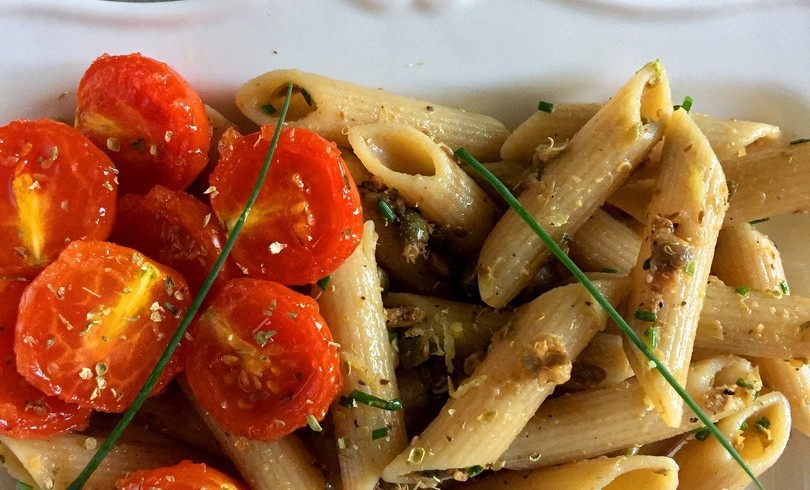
(758, 220)
(689, 268)
(608, 270)
(269, 109)
(313, 424)
(763, 423)
(544, 106)
(744, 426)
(743, 383)
(372, 401)
(645, 315)
(323, 282)
(379, 433)
(784, 287)
(306, 96)
(386, 211)
(263, 336)
(685, 105)
(702, 433)
(800, 141)
(652, 334)
(743, 290)
(474, 471)
(23, 486)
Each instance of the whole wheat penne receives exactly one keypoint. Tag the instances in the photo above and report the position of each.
(351, 304)
(670, 276)
(596, 162)
(329, 107)
(759, 432)
(521, 369)
(620, 416)
(618, 473)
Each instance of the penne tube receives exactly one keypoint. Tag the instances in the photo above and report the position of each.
(521, 369)
(283, 464)
(54, 462)
(669, 279)
(759, 432)
(351, 303)
(617, 473)
(595, 163)
(620, 417)
(730, 138)
(605, 243)
(427, 178)
(793, 380)
(601, 363)
(329, 107)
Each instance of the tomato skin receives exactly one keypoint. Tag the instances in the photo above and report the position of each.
(307, 219)
(183, 476)
(261, 358)
(26, 412)
(177, 230)
(55, 186)
(147, 118)
(92, 325)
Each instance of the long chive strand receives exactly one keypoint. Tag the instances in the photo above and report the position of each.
(597, 295)
(143, 394)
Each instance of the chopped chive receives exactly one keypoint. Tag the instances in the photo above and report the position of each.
(269, 109)
(763, 423)
(758, 220)
(313, 423)
(306, 96)
(604, 303)
(379, 433)
(357, 396)
(323, 282)
(386, 211)
(743, 290)
(685, 105)
(783, 286)
(689, 268)
(645, 315)
(544, 106)
(702, 434)
(742, 383)
(262, 337)
(744, 426)
(608, 270)
(652, 334)
(474, 471)
(800, 141)
(148, 386)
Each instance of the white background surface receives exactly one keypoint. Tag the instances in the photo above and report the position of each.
(748, 59)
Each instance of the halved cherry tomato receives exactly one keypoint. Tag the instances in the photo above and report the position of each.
(261, 360)
(92, 325)
(307, 219)
(175, 229)
(147, 118)
(24, 410)
(55, 186)
(183, 476)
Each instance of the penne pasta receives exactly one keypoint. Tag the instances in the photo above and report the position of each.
(760, 433)
(368, 437)
(427, 178)
(329, 107)
(620, 416)
(596, 162)
(602, 363)
(521, 369)
(605, 243)
(618, 473)
(669, 279)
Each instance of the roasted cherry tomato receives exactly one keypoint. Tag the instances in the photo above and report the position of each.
(147, 118)
(56, 187)
(307, 218)
(93, 324)
(175, 229)
(183, 476)
(24, 410)
(261, 360)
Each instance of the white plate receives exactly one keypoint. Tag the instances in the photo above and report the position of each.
(743, 58)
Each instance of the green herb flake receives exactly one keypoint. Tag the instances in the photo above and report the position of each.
(269, 109)
(379, 433)
(386, 211)
(743, 383)
(763, 423)
(685, 105)
(743, 290)
(262, 337)
(23, 486)
(744, 426)
(474, 471)
(800, 141)
(758, 220)
(645, 315)
(313, 423)
(783, 286)
(357, 396)
(324, 282)
(652, 335)
(608, 270)
(544, 106)
(689, 268)
(702, 434)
